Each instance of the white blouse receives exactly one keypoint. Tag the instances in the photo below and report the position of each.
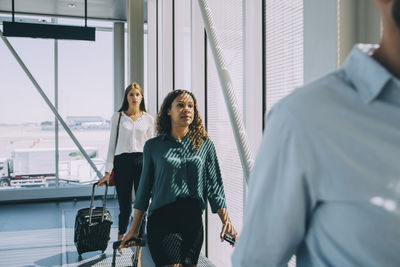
(131, 137)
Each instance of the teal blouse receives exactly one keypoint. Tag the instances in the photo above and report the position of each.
(172, 170)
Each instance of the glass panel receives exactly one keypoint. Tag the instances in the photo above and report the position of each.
(284, 48)
(27, 136)
(284, 52)
(26, 148)
(228, 19)
(85, 103)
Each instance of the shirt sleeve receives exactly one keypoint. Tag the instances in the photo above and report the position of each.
(214, 184)
(146, 180)
(280, 196)
(112, 143)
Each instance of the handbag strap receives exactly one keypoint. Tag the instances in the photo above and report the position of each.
(116, 140)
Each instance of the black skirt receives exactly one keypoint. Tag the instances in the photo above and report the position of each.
(175, 233)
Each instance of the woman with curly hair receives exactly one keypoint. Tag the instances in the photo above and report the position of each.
(180, 171)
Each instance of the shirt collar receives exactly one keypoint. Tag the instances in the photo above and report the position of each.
(164, 136)
(168, 136)
(397, 81)
(368, 76)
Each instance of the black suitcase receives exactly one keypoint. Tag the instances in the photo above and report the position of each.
(92, 227)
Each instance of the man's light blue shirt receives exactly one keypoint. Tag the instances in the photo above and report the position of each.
(326, 182)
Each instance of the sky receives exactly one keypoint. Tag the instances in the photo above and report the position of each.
(85, 78)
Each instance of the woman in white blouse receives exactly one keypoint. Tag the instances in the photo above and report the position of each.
(125, 150)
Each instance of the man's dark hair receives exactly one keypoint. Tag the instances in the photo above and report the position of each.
(396, 12)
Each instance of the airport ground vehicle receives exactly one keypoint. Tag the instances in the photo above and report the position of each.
(36, 166)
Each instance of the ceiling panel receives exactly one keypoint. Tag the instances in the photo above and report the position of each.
(97, 9)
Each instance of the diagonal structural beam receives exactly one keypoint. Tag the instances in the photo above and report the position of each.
(53, 109)
(227, 90)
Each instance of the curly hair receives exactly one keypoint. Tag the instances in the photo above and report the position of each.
(197, 132)
(125, 104)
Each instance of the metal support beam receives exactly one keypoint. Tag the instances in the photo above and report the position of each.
(135, 18)
(151, 90)
(119, 63)
(253, 72)
(57, 155)
(53, 109)
(227, 90)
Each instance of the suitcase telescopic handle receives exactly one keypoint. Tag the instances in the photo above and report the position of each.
(91, 203)
(139, 242)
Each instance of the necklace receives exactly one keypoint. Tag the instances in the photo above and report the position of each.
(135, 115)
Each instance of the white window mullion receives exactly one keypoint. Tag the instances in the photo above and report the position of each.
(151, 90)
(165, 62)
(197, 57)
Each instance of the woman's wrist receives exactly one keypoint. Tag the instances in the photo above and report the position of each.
(228, 221)
(134, 233)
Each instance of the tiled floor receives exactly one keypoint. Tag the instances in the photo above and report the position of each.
(41, 234)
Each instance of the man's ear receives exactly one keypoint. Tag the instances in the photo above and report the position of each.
(383, 1)
(380, 3)
(169, 112)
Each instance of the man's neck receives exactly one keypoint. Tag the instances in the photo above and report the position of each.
(388, 54)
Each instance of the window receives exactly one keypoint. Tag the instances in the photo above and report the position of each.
(227, 16)
(25, 114)
(283, 48)
(85, 93)
(85, 103)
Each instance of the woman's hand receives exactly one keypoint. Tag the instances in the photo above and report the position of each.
(129, 235)
(228, 229)
(104, 180)
(134, 230)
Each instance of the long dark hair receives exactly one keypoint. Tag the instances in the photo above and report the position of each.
(125, 104)
(197, 132)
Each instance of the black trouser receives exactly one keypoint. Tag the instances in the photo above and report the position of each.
(127, 171)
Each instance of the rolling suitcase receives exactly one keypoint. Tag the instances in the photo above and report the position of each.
(92, 227)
